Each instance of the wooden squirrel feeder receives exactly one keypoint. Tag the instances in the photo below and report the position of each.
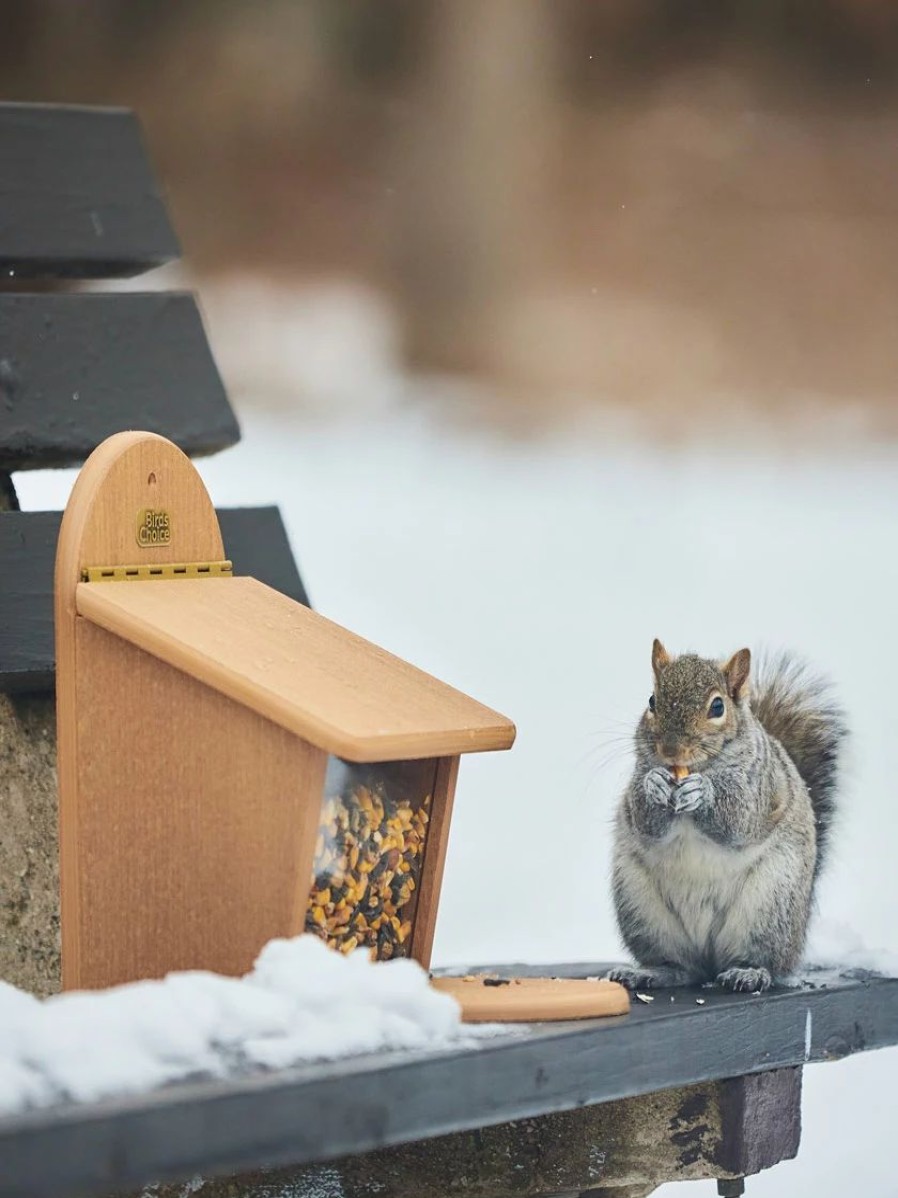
(232, 766)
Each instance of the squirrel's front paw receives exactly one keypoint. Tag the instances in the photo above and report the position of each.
(753, 980)
(658, 785)
(692, 792)
(650, 978)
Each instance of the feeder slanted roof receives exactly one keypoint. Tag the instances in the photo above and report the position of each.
(296, 668)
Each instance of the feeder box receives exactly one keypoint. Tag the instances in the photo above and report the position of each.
(232, 766)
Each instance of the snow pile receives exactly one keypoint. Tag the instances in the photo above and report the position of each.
(836, 946)
(302, 1002)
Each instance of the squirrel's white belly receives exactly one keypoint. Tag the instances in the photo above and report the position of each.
(708, 890)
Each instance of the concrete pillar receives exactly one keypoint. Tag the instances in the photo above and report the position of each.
(29, 838)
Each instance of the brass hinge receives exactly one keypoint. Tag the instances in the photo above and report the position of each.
(146, 573)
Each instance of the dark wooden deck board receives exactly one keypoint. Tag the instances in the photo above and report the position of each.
(77, 195)
(74, 369)
(322, 1112)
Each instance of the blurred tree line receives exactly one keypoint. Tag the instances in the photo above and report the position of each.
(557, 190)
(384, 43)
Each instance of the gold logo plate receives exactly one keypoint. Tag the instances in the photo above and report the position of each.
(153, 528)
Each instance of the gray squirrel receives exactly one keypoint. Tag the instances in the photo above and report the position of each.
(722, 830)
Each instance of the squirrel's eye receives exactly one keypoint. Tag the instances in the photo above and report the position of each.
(651, 703)
(715, 711)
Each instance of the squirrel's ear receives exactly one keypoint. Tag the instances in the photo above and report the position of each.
(736, 672)
(660, 656)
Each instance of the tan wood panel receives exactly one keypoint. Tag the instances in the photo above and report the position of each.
(126, 475)
(196, 823)
(431, 883)
(295, 667)
(530, 1000)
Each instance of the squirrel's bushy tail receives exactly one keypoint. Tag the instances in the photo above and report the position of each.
(797, 708)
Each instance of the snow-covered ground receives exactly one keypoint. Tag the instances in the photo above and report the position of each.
(534, 575)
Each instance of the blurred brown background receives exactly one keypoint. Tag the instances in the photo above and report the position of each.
(679, 205)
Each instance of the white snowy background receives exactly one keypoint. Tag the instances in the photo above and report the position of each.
(534, 574)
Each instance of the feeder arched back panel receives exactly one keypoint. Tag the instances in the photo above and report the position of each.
(186, 830)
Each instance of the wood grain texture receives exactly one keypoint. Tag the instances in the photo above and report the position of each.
(288, 1118)
(293, 666)
(531, 1000)
(196, 827)
(431, 884)
(77, 196)
(126, 474)
(74, 369)
(255, 540)
(187, 822)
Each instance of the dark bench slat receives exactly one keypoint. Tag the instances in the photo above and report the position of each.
(76, 368)
(77, 195)
(255, 540)
(319, 1112)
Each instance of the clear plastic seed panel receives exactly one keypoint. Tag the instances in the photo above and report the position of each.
(369, 855)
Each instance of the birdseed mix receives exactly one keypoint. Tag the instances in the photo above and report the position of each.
(367, 869)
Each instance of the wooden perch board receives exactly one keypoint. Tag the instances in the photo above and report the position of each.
(296, 668)
(530, 999)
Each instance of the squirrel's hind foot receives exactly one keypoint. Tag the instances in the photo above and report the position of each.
(754, 980)
(661, 977)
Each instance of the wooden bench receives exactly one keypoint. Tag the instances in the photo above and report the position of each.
(674, 1090)
(691, 1085)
